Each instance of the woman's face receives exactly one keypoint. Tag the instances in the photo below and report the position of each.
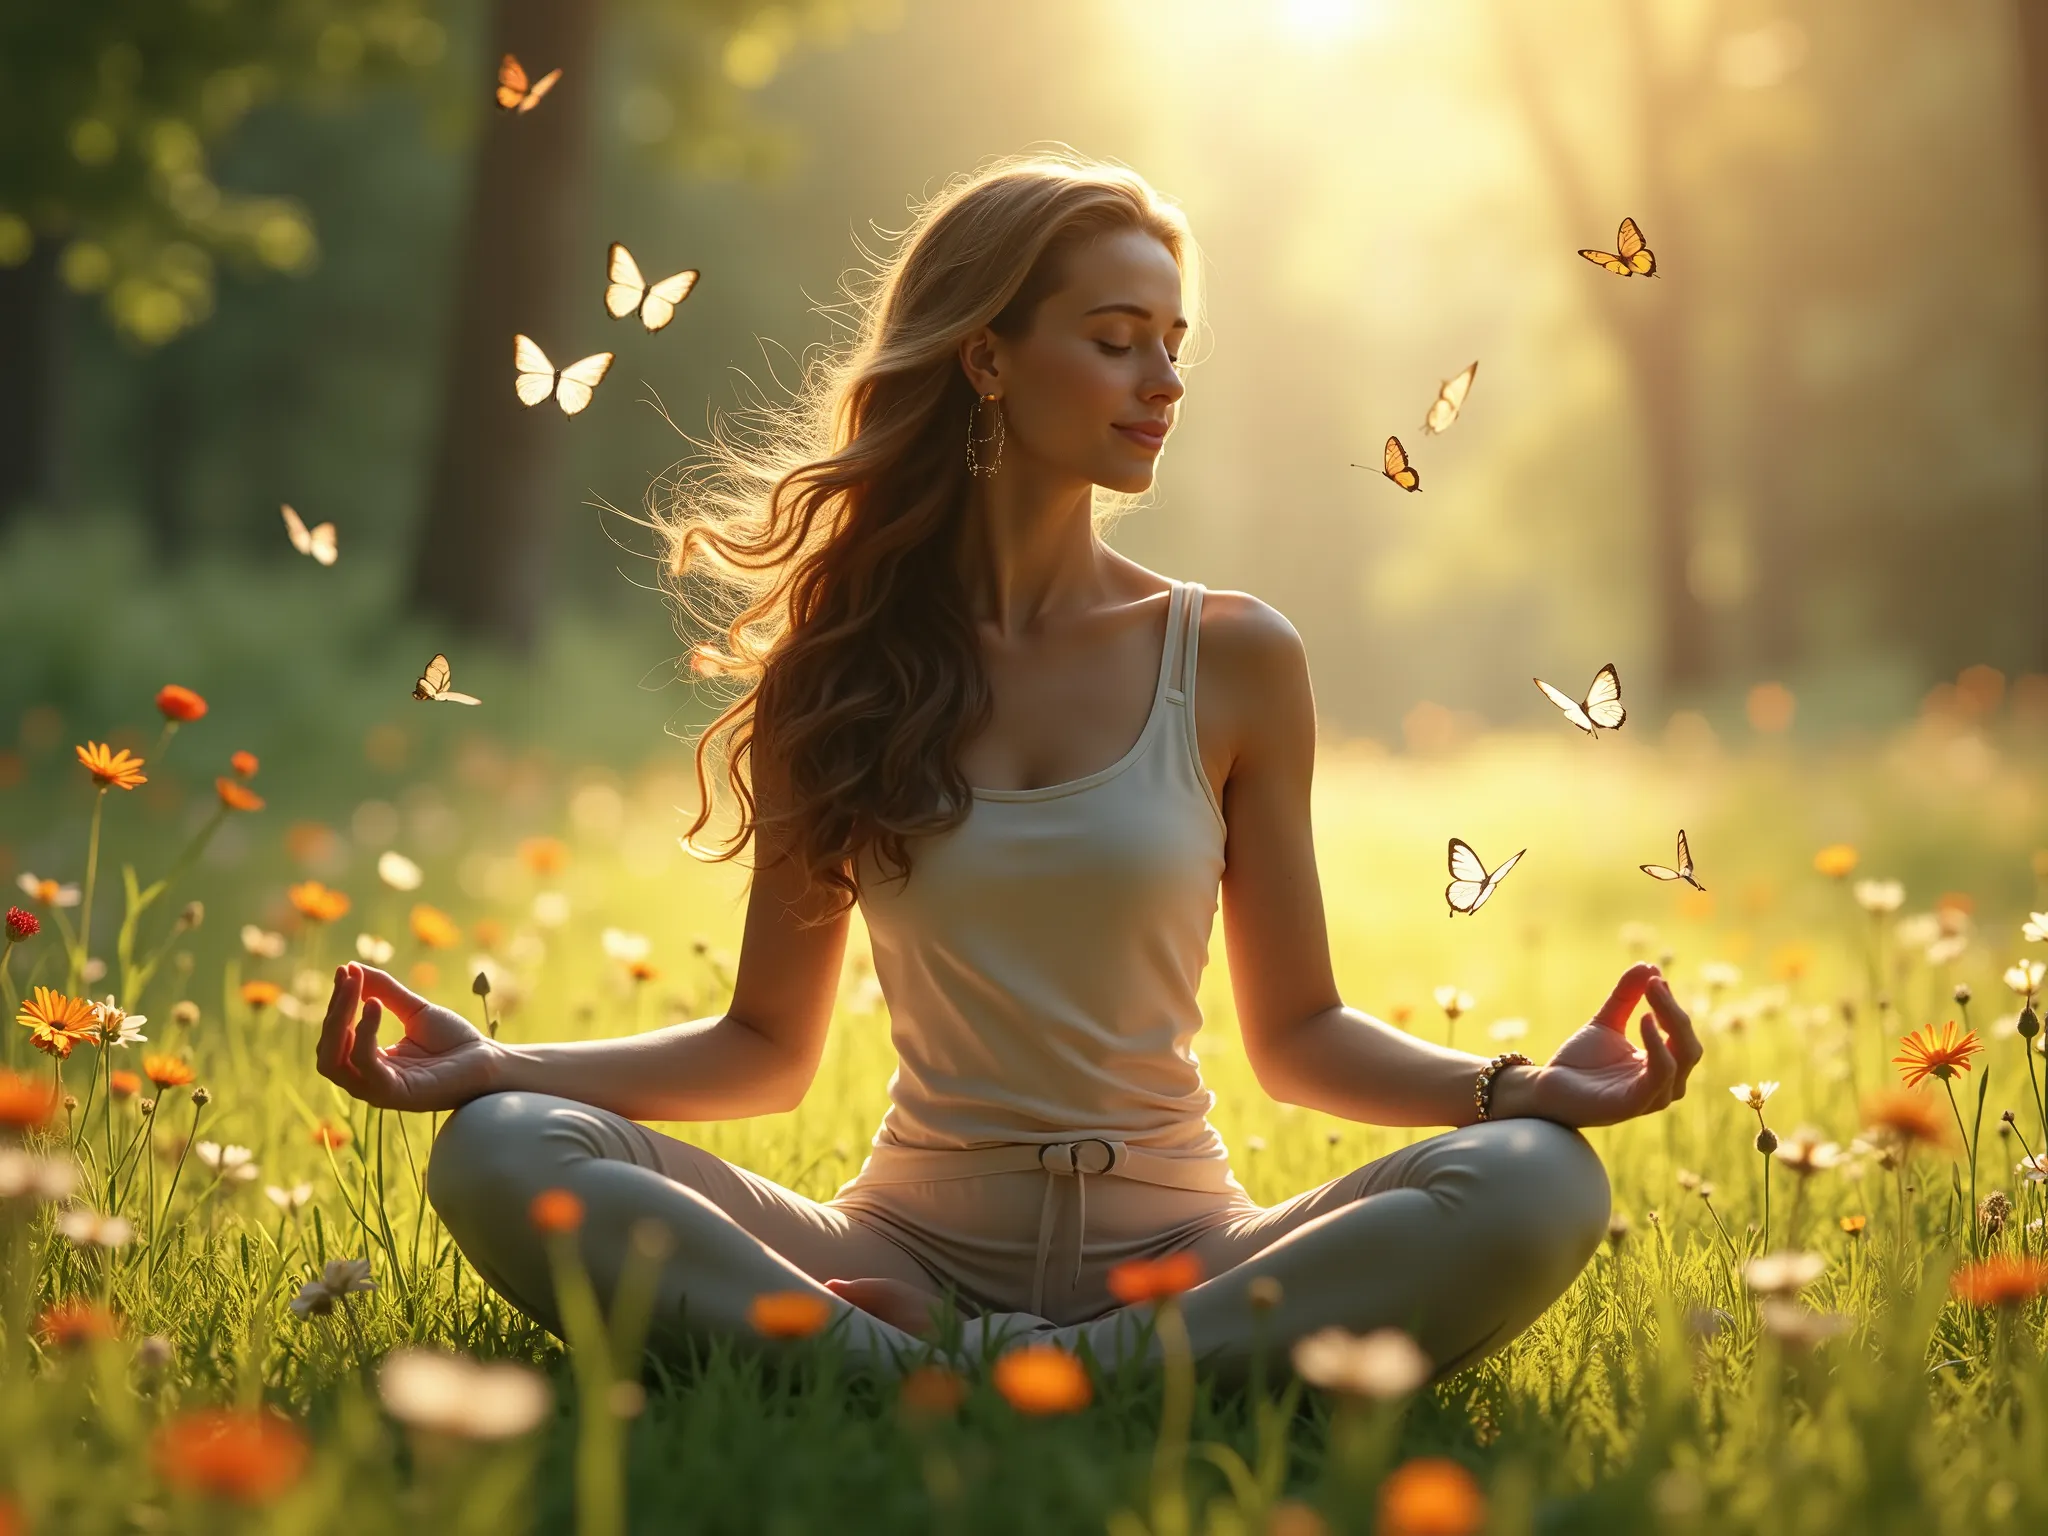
(1092, 389)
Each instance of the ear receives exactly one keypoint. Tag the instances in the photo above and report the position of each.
(980, 362)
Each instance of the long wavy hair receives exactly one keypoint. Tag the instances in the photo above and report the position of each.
(816, 541)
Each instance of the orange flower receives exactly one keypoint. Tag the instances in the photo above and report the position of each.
(555, 1210)
(312, 843)
(642, 970)
(1854, 1225)
(1154, 1279)
(56, 1022)
(261, 994)
(67, 1324)
(1944, 1057)
(111, 769)
(12, 1521)
(316, 902)
(180, 703)
(237, 797)
(434, 928)
(1906, 1117)
(543, 855)
(931, 1392)
(244, 763)
(124, 1085)
(488, 932)
(424, 976)
(331, 1134)
(2004, 1281)
(247, 1455)
(167, 1071)
(1043, 1379)
(1837, 861)
(1431, 1496)
(788, 1314)
(25, 1104)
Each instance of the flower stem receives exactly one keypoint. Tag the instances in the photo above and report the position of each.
(92, 865)
(1969, 1151)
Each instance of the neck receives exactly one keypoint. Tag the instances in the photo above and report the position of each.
(1029, 549)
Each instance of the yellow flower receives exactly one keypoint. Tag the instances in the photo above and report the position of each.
(434, 928)
(1837, 861)
(316, 902)
(111, 769)
(56, 1022)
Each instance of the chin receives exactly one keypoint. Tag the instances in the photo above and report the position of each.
(1128, 479)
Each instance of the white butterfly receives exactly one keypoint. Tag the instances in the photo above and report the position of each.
(1600, 710)
(1449, 401)
(433, 684)
(1470, 883)
(317, 542)
(1684, 870)
(538, 378)
(627, 291)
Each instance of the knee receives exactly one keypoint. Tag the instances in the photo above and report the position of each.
(478, 1152)
(1548, 1197)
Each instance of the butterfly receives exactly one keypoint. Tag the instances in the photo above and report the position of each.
(1449, 401)
(1470, 883)
(1635, 259)
(1601, 708)
(1396, 466)
(433, 685)
(627, 291)
(1684, 870)
(317, 542)
(538, 378)
(513, 93)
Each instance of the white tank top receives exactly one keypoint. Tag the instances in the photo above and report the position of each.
(1040, 964)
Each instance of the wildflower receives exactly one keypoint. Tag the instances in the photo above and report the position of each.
(248, 1455)
(244, 763)
(154, 1352)
(1880, 895)
(1755, 1095)
(260, 994)
(22, 926)
(1431, 1496)
(642, 970)
(1800, 1327)
(1508, 1029)
(167, 1071)
(555, 1211)
(1962, 993)
(47, 893)
(1993, 1212)
(2025, 976)
(434, 928)
(1454, 1003)
(87, 1228)
(111, 769)
(341, 1279)
(201, 1097)
(788, 1314)
(1138, 1280)
(1837, 861)
(288, 1200)
(1618, 1228)
(2002, 1281)
(1720, 975)
(1854, 1225)
(55, 1022)
(180, 704)
(25, 1104)
(317, 903)
(1784, 1273)
(446, 1394)
(398, 872)
(1689, 1181)
(2033, 1169)
(488, 932)
(113, 1026)
(1042, 1379)
(35, 1178)
(931, 1392)
(1264, 1293)
(1906, 1118)
(68, 1324)
(230, 1164)
(550, 908)
(1385, 1363)
(544, 855)
(1946, 950)
(262, 942)
(1291, 1517)
(625, 947)
(1924, 1054)
(1805, 1153)
(237, 797)
(331, 1135)
(124, 1085)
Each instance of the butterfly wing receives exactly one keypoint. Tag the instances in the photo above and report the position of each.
(447, 697)
(659, 307)
(1603, 699)
(324, 548)
(580, 380)
(295, 530)
(1468, 887)
(1642, 261)
(1610, 261)
(511, 83)
(624, 287)
(1659, 872)
(433, 679)
(1395, 466)
(1573, 711)
(535, 375)
(1493, 880)
(1449, 401)
(541, 87)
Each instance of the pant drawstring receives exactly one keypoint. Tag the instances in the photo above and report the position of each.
(1062, 1158)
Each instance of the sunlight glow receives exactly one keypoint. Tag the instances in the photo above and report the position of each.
(1331, 21)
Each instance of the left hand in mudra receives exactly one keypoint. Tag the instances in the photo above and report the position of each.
(1598, 1077)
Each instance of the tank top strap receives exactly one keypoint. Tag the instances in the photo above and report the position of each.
(1183, 633)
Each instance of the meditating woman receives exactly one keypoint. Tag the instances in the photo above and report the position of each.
(955, 706)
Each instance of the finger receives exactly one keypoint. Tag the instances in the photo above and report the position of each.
(1621, 1002)
(1685, 1040)
(365, 1058)
(394, 994)
(335, 1028)
(1663, 1070)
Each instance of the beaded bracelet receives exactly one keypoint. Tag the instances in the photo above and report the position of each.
(1482, 1086)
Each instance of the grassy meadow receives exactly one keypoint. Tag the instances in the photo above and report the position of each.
(1662, 1393)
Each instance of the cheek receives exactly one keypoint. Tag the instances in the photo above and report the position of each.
(1070, 394)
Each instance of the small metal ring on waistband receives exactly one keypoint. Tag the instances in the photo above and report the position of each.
(1067, 1161)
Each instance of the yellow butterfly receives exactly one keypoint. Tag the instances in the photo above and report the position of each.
(1470, 883)
(627, 291)
(1684, 870)
(538, 378)
(1396, 466)
(1449, 401)
(1599, 711)
(1636, 259)
(433, 685)
(513, 93)
(317, 542)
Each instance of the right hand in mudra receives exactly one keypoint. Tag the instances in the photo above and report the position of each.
(442, 1062)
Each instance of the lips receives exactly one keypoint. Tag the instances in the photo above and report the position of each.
(1149, 434)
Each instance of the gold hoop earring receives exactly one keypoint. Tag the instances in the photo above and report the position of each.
(984, 451)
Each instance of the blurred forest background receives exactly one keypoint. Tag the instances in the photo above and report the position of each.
(255, 251)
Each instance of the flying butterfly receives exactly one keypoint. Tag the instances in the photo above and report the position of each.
(1470, 883)
(514, 95)
(1395, 466)
(1635, 259)
(538, 378)
(433, 685)
(626, 290)
(1599, 711)
(317, 542)
(1449, 401)
(1684, 870)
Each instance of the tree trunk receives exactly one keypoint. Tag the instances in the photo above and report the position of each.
(482, 558)
(2033, 29)
(32, 345)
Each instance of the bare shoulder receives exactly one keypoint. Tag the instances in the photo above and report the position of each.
(1252, 694)
(1245, 636)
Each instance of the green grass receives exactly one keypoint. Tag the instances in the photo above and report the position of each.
(1611, 1414)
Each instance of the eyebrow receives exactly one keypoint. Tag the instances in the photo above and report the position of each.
(1131, 309)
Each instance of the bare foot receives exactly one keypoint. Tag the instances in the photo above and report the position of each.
(896, 1302)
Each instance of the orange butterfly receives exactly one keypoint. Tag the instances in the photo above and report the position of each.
(513, 93)
(1395, 466)
(1635, 259)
